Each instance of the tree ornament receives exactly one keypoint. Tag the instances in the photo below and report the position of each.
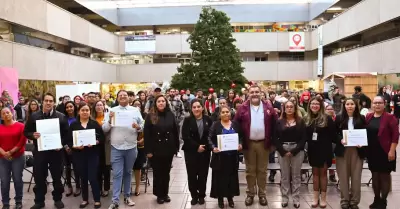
(233, 85)
(210, 90)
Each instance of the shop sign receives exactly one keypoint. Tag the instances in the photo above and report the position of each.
(296, 42)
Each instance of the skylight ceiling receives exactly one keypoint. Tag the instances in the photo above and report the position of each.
(103, 4)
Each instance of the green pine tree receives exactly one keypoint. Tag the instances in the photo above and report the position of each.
(216, 62)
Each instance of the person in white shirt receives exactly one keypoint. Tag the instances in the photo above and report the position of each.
(123, 148)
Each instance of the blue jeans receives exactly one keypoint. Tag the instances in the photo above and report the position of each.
(12, 168)
(122, 162)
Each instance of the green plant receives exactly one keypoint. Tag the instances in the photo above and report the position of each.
(216, 62)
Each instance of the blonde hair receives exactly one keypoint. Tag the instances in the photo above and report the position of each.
(319, 119)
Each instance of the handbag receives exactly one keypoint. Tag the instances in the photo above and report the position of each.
(215, 163)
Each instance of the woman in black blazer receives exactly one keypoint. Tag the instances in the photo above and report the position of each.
(87, 157)
(225, 165)
(349, 160)
(195, 130)
(162, 143)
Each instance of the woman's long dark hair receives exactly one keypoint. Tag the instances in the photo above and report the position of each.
(201, 104)
(82, 104)
(380, 92)
(75, 108)
(296, 116)
(153, 113)
(356, 115)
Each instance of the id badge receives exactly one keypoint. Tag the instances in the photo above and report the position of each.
(314, 136)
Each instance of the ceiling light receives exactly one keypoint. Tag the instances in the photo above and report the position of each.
(335, 9)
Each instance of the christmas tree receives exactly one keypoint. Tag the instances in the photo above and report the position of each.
(216, 62)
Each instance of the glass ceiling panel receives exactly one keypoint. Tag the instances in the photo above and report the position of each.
(165, 3)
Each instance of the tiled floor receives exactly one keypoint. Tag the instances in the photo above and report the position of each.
(181, 197)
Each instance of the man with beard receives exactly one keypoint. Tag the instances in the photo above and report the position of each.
(257, 119)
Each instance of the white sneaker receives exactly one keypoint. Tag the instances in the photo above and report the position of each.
(179, 155)
(128, 201)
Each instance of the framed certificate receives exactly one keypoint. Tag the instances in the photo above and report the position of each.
(50, 137)
(84, 137)
(228, 142)
(356, 137)
(123, 119)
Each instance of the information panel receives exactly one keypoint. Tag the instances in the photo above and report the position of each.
(144, 44)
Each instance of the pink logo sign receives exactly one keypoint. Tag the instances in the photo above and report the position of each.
(296, 39)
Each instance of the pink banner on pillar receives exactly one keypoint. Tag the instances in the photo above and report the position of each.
(9, 82)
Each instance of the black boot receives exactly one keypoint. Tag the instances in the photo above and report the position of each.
(230, 202)
(376, 203)
(221, 203)
(383, 204)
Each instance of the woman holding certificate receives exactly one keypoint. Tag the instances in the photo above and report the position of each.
(162, 143)
(12, 158)
(383, 137)
(290, 138)
(84, 137)
(195, 131)
(349, 158)
(225, 140)
(321, 133)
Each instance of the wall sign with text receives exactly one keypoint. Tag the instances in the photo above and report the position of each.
(140, 44)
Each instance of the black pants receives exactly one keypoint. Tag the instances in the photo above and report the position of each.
(68, 163)
(197, 165)
(272, 160)
(103, 175)
(161, 168)
(88, 161)
(43, 161)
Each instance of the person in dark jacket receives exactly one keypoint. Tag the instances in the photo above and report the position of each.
(195, 131)
(321, 133)
(363, 99)
(224, 164)
(396, 104)
(386, 97)
(162, 143)
(290, 138)
(20, 111)
(349, 160)
(383, 137)
(70, 112)
(86, 155)
(44, 160)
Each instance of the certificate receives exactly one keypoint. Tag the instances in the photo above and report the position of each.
(84, 137)
(123, 119)
(50, 137)
(228, 142)
(356, 137)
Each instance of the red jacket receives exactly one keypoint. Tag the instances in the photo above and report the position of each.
(388, 130)
(243, 117)
(13, 136)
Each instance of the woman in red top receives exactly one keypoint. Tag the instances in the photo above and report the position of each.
(12, 159)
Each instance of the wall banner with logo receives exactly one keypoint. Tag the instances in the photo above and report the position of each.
(320, 68)
(296, 42)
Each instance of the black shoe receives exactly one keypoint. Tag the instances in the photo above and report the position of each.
(271, 178)
(18, 205)
(38, 206)
(231, 203)
(97, 205)
(83, 205)
(201, 201)
(249, 201)
(6, 207)
(345, 206)
(194, 201)
(263, 201)
(167, 199)
(160, 200)
(59, 204)
(76, 194)
(296, 205)
(221, 203)
(332, 178)
(284, 204)
(354, 207)
(376, 203)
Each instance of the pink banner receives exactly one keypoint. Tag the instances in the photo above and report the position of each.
(9, 82)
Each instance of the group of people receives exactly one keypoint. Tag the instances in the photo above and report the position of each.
(294, 125)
